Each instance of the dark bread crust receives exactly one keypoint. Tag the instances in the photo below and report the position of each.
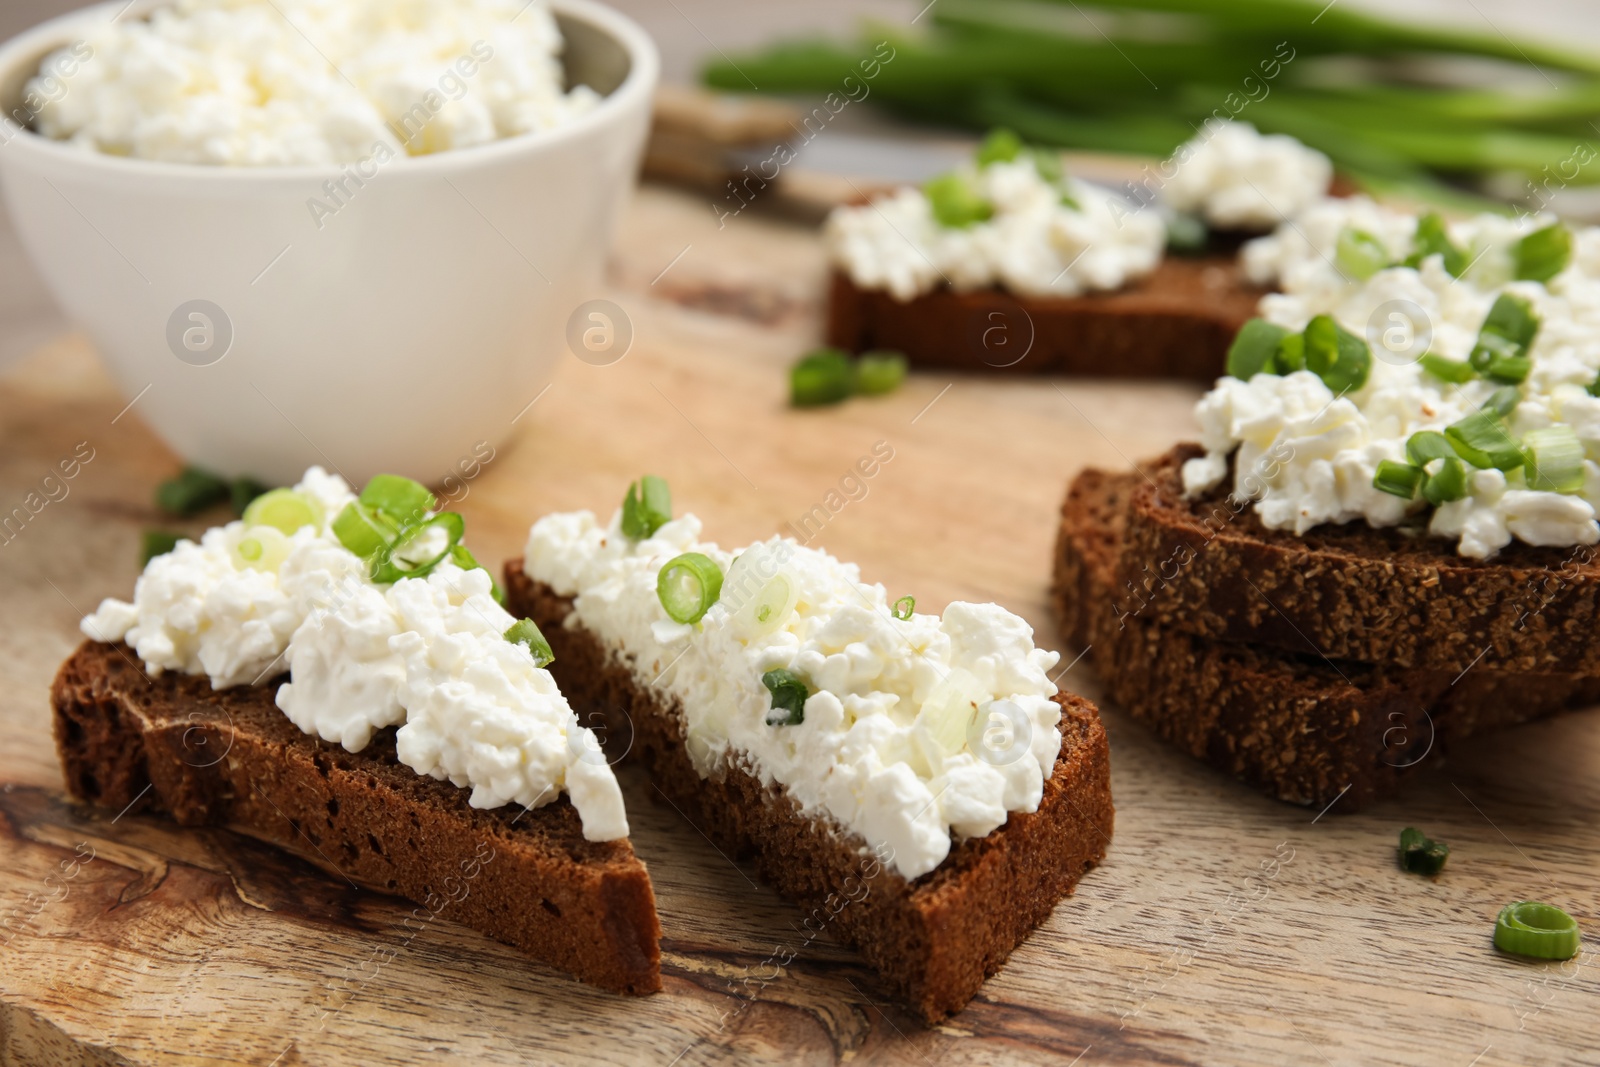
(1177, 322)
(175, 745)
(933, 940)
(1354, 592)
(1299, 728)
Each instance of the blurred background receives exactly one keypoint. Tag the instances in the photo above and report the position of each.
(1462, 102)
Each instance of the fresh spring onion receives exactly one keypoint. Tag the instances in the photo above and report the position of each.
(646, 508)
(1359, 254)
(1431, 238)
(401, 499)
(1481, 439)
(1554, 458)
(688, 585)
(1340, 358)
(1420, 854)
(526, 632)
(1543, 254)
(1447, 483)
(262, 548)
(829, 375)
(283, 509)
(398, 560)
(823, 376)
(363, 530)
(1398, 479)
(879, 372)
(955, 204)
(1541, 931)
(1001, 146)
(904, 607)
(1337, 356)
(1448, 370)
(1254, 349)
(789, 693)
(191, 492)
(1512, 318)
(157, 543)
(390, 526)
(1425, 446)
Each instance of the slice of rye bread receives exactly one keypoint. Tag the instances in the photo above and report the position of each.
(1177, 322)
(1387, 596)
(1302, 729)
(528, 878)
(933, 940)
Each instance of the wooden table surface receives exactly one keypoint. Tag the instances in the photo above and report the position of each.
(1223, 927)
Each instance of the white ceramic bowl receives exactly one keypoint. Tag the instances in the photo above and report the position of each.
(415, 322)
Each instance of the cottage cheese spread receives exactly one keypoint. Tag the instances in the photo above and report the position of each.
(1034, 245)
(915, 729)
(287, 82)
(1237, 178)
(1309, 458)
(426, 654)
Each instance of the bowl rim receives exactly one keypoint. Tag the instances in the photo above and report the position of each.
(644, 65)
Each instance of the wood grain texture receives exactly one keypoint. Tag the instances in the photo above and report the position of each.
(1223, 927)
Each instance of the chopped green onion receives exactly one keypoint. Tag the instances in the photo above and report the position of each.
(1503, 401)
(1432, 238)
(1448, 370)
(1359, 254)
(1554, 459)
(1255, 349)
(789, 693)
(904, 607)
(1512, 318)
(1186, 235)
(462, 557)
(284, 509)
(1001, 146)
(956, 205)
(391, 565)
(1447, 483)
(646, 508)
(157, 543)
(1337, 356)
(242, 491)
(191, 492)
(879, 372)
(1420, 854)
(1594, 386)
(1538, 930)
(1398, 479)
(1047, 161)
(1543, 254)
(1482, 441)
(688, 585)
(1426, 445)
(1488, 346)
(1509, 370)
(1291, 354)
(526, 632)
(363, 530)
(823, 376)
(402, 500)
(250, 549)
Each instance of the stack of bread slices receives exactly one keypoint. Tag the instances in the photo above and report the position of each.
(1318, 667)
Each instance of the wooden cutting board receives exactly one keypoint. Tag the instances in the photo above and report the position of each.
(1223, 927)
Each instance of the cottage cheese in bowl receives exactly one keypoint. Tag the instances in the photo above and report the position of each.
(297, 82)
(368, 300)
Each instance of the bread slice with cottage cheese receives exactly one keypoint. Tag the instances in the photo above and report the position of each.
(1176, 322)
(1209, 567)
(933, 939)
(1296, 725)
(527, 877)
